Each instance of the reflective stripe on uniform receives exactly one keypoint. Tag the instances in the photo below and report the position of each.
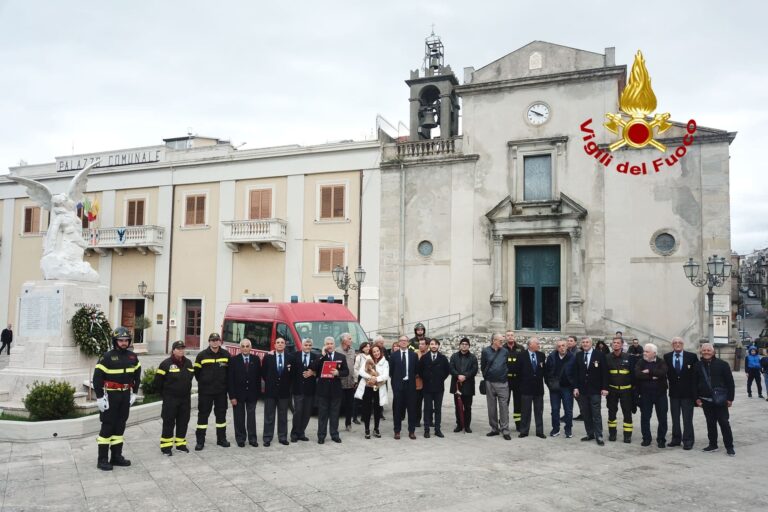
(103, 440)
(612, 424)
(166, 442)
(172, 370)
(628, 386)
(108, 370)
(116, 440)
(620, 372)
(517, 416)
(222, 360)
(198, 365)
(206, 361)
(221, 425)
(180, 441)
(202, 427)
(191, 369)
(132, 369)
(627, 427)
(110, 389)
(161, 372)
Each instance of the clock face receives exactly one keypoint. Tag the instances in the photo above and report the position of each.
(538, 113)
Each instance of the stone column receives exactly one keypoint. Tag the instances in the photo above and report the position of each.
(575, 320)
(497, 299)
(445, 116)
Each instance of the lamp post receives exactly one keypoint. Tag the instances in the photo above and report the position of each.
(143, 291)
(341, 277)
(718, 271)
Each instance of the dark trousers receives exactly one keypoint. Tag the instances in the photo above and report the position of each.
(717, 415)
(244, 414)
(514, 395)
(753, 374)
(538, 413)
(684, 407)
(463, 409)
(370, 404)
(593, 417)
(219, 405)
(113, 423)
(564, 396)
(433, 405)
(616, 398)
(649, 401)
(175, 414)
(270, 406)
(328, 416)
(404, 401)
(4, 345)
(419, 406)
(348, 404)
(302, 411)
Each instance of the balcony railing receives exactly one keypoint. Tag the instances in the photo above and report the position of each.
(255, 232)
(421, 149)
(119, 239)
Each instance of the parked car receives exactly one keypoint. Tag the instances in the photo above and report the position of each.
(762, 340)
(751, 294)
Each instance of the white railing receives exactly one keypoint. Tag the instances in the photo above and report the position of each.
(429, 148)
(138, 237)
(254, 232)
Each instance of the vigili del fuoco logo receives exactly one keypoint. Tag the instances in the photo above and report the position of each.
(635, 127)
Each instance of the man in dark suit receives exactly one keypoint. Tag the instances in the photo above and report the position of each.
(592, 385)
(244, 389)
(530, 375)
(402, 370)
(433, 368)
(303, 379)
(329, 391)
(276, 369)
(681, 375)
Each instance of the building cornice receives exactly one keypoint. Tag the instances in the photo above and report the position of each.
(423, 162)
(617, 72)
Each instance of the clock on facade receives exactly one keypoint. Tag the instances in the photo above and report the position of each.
(538, 113)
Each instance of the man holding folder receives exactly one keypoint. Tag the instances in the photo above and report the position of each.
(330, 369)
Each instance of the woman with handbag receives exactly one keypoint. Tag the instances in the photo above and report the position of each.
(716, 392)
(372, 389)
(364, 352)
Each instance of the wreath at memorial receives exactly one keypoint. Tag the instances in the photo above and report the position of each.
(92, 331)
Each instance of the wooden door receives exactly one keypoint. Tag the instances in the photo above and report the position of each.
(192, 316)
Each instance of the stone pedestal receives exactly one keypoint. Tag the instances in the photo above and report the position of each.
(44, 348)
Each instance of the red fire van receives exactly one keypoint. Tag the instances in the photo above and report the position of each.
(263, 322)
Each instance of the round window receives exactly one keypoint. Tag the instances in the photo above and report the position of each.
(425, 248)
(664, 243)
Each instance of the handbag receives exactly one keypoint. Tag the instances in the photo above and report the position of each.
(482, 387)
(719, 394)
(482, 382)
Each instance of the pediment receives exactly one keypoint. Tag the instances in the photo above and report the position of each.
(507, 209)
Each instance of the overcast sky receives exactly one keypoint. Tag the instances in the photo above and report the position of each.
(89, 76)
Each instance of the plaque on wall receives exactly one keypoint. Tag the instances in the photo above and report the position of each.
(40, 313)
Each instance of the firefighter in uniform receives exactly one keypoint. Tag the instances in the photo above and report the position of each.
(115, 380)
(419, 333)
(173, 381)
(211, 373)
(515, 352)
(620, 369)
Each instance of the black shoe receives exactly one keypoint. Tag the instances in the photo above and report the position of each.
(749, 395)
(760, 395)
(426, 434)
(376, 433)
(673, 444)
(710, 448)
(627, 439)
(104, 465)
(166, 451)
(438, 433)
(319, 441)
(223, 443)
(468, 430)
(356, 421)
(600, 441)
(199, 446)
(541, 435)
(612, 436)
(284, 442)
(588, 438)
(457, 429)
(294, 439)
(554, 433)
(367, 434)
(521, 434)
(731, 452)
(120, 461)
(492, 433)
(687, 447)
(255, 444)
(303, 438)
(183, 448)
(336, 439)
(646, 442)
(241, 444)
(578, 418)
(266, 444)
(507, 437)
(661, 444)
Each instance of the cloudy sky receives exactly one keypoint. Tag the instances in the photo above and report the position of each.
(85, 75)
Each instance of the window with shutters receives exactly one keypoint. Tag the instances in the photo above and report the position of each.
(135, 212)
(194, 212)
(329, 258)
(260, 203)
(332, 202)
(537, 178)
(31, 220)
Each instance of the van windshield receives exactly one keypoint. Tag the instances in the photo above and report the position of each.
(318, 331)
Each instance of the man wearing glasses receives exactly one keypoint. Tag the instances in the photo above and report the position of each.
(211, 367)
(244, 389)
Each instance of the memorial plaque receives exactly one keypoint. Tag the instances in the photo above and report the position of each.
(40, 313)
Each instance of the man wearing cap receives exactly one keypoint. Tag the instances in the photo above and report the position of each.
(173, 381)
(115, 381)
(211, 367)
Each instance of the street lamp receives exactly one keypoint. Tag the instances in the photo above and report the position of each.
(143, 291)
(718, 271)
(341, 277)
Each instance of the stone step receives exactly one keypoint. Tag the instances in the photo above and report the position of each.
(4, 395)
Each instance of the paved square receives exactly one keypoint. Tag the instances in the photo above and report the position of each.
(459, 472)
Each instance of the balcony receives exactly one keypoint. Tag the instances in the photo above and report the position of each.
(255, 232)
(119, 239)
(424, 149)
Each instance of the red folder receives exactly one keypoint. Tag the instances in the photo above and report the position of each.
(328, 367)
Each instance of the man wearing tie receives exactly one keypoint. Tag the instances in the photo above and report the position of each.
(244, 390)
(402, 371)
(433, 367)
(303, 379)
(329, 391)
(592, 384)
(530, 374)
(681, 374)
(277, 393)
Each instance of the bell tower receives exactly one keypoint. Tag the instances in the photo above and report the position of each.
(434, 104)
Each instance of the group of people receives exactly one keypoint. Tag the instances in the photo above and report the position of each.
(415, 371)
